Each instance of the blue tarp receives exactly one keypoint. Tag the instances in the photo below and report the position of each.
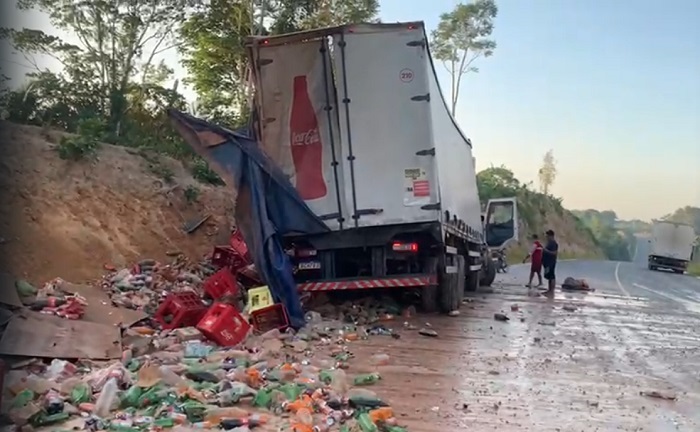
(267, 205)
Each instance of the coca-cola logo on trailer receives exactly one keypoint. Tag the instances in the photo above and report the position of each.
(306, 138)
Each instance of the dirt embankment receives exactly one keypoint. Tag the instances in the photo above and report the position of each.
(68, 219)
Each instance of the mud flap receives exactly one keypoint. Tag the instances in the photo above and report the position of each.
(452, 286)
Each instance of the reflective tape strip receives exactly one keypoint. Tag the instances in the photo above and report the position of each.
(401, 282)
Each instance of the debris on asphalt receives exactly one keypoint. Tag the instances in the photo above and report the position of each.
(428, 332)
(659, 395)
(572, 284)
(500, 317)
(154, 347)
(569, 308)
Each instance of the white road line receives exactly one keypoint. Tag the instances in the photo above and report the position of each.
(689, 305)
(617, 279)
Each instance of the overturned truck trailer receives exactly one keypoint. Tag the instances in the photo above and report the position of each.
(355, 117)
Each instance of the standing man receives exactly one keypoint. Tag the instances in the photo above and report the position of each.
(535, 256)
(549, 261)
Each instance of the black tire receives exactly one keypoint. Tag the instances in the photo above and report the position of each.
(452, 287)
(489, 272)
(429, 294)
(472, 280)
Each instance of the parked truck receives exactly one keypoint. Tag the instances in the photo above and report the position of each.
(672, 246)
(354, 115)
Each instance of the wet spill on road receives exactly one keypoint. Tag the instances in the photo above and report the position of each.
(547, 369)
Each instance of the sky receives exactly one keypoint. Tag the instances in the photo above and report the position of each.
(612, 87)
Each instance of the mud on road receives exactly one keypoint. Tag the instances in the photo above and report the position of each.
(550, 368)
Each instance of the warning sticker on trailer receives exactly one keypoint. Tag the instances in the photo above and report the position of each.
(416, 187)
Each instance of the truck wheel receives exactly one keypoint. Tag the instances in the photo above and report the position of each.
(472, 284)
(429, 294)
(452, 287)
(489, 272)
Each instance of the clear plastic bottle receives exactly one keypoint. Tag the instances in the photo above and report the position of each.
(169, 376)
(380, 359)
(107, 398)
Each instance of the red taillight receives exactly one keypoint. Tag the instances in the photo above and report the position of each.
(265, 41)
(411, 27)
(404, 247)
(305, 253)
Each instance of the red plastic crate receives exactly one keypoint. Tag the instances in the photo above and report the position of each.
(183, 309)
(239, 245)
(221, 283)
(224, 325)
(225, 256)
(249, 276)
(270, 318)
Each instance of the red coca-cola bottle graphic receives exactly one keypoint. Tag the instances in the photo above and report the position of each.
(307, 148)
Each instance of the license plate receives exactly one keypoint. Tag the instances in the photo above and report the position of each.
(309, 265)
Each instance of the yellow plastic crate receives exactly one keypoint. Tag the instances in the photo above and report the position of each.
(259, 298)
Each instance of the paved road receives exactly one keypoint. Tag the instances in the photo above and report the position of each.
(552, 368)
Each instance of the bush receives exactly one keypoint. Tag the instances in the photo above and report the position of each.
(203, 173)
(91, 132)
(191, 194)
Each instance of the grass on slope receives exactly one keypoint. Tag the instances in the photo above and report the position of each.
(694, 268)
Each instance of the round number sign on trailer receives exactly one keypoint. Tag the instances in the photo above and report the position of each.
(406, 75)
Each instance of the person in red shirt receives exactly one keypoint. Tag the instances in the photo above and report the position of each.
(535, 256)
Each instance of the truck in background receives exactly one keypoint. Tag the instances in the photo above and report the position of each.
(354, 115)
(672, 246)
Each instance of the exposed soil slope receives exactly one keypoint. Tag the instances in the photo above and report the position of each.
(69, 219)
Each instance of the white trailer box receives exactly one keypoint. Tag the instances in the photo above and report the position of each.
(355, 117)
(391, 151)
(671, 246)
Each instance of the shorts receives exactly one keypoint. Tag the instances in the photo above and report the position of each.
(549, 272)
(535, 267)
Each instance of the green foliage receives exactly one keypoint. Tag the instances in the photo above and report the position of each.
(213, 47)
(203, 173)
(91, 132)
(616, 243)
(295, 15)
(694, 269)
(191, 194)
(463, 36)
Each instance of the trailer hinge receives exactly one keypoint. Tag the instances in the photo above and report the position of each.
(417, 43)
(435, 206)
(421, 98)
(264, 62)
(366, 212)
(427, 152)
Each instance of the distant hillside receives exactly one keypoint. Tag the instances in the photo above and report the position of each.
(614, 236)
(538, 213)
